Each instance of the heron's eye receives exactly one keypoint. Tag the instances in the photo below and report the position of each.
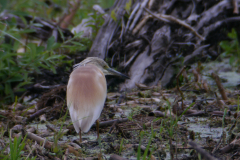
(105, 66)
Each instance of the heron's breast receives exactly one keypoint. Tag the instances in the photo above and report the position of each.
(86, 87)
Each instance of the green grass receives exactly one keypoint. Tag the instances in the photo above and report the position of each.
(231, 48)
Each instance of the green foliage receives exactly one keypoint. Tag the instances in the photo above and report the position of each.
(16, 148)
(15, 67)
(134, 111)
(113, 15)
(139, 147)
(18, 61)
(231, 48)
(97, 22)
(121, 146)
(148, 146)
(173, 121)
(128, 6)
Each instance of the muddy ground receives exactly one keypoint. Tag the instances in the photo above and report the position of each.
(146, 122)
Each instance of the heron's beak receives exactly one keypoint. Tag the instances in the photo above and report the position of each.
(116, 73)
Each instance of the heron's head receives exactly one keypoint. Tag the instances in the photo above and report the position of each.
(102, 65)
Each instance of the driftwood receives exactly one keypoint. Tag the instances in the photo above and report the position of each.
(159, 37)
(101, 42)
(116, 157)
(47, 144)
(204, 153)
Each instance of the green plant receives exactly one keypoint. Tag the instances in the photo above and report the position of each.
(170, 124)
(148, 146)
(16, 148)
(139, 147)
(134, 111)
(59, 134)
(148, 151)
(237, 104)
(173, 121)
(15, 68)
(121, 146)
(231, 48)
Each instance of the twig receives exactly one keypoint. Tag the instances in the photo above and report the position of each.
(109, 123)
(157, 114)
(123, 29)
(177, 77)
(196, 52)
(66, 154)
(212, 13)
(138, 14)
(51, 128)
(156, 16)
(145, 38)
(166, 66)
(131, 16)
(173, 19)
(37, 85)
(120, 131)
(234, 144)
(185, 43)
(199, 113)
(235, 6)
(30, 151)
(217, 145)
(141, 24)
(36, 114)
(116, 157)
(196, 75)
(47, 144)
(132, 58)
(204, 153)
(112, 127)
(41, 111)
(220, 86)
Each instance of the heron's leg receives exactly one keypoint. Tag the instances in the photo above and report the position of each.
(97, 126)
(80, 135)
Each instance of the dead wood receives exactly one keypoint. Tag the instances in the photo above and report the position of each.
(116, 157)
(100, 45)
(234, 144)
(220, 86)
(47, 144)
(204, 153)
(170, 33)
(37, 114)
(109, 123)
(177, 77)
(157, 114)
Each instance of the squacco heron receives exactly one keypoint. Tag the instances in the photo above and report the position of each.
(87, 91)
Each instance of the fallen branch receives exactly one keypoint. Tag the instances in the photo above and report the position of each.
(177, 78)
(220, 86)
(173, 19)
(204, 153)
(36, 114)
(47, 144)
(116, 157)
(235, 6)
(234, 144)
(109, 123)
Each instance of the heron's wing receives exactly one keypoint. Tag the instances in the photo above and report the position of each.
(86, 94)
